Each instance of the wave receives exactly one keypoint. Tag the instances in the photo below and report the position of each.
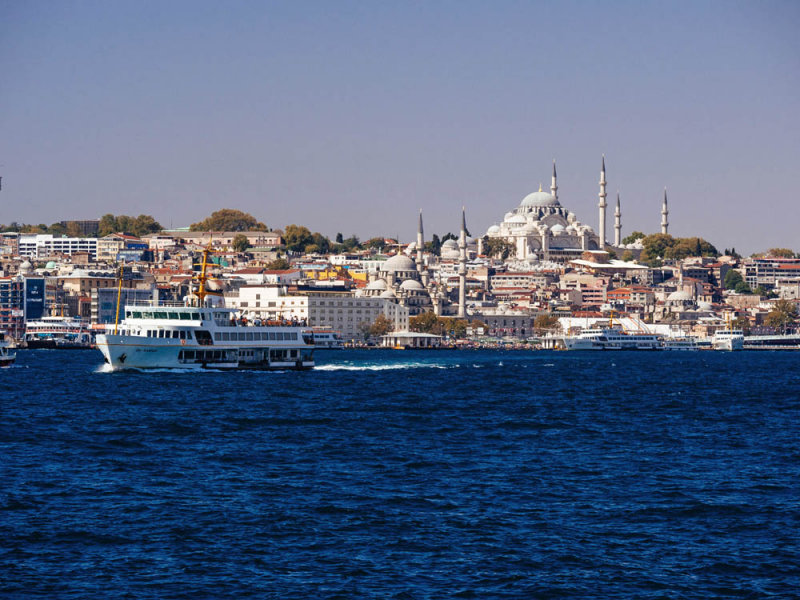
(394, 367)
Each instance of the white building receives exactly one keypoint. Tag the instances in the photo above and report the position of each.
(46, 244)
(343, 313)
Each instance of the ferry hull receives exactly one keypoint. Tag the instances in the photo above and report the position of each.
(121, 354)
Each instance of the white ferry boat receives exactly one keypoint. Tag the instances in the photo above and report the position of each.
(682, 344)
(728, 339)
(197, 335)
(6, 358)
(327, 339)
(61, 333)
(612, 338)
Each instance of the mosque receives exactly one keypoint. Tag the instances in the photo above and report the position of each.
(541, 229)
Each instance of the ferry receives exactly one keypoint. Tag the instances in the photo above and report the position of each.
(728, 339)
(6, 358)
(326, 338)
(683, 344)
(612, 338)
(61, 333)
(196, 335)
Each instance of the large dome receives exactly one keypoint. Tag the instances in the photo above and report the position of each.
(398, 263)
(539, 198)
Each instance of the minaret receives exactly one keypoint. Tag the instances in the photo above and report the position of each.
(617, 224)
(462, 266)
(422, 268)
(553, 184)
(602, 205)
(664, 214)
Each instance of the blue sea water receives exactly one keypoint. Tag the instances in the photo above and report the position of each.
(387, 474)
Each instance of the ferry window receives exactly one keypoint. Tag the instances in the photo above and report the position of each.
(250, 336)
(136, 314)
(195, 316)
(272, 335)
(185, 316)
(173, 315)
(147, 314)
(217, 336)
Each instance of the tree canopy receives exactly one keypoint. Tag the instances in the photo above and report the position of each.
(659, 246)
(636, 235)
(498, 248)
(782, 315)
(139, 226)
(240, 243)
(781, 253)
(229, 219)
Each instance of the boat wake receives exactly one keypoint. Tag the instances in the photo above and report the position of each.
(395, 367)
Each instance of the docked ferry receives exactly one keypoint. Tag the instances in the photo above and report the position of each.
(58, 333)
(326, 338)
(197, 334)
(6, 358)
(612, 338)
(728, 339)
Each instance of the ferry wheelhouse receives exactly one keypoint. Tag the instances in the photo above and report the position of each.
(728, 339)
(197, 334)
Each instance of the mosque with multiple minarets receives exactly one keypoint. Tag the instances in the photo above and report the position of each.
(541, 231)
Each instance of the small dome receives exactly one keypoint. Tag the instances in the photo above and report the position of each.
(539, 198)
(25, 265)
(705, 306)
(451, 244)
(378, 284)
(411, 284)
(679, 296)
(517, 220)
(557, 228)
(388, 294)
(398, 263)
(493, 229)
(508, 215)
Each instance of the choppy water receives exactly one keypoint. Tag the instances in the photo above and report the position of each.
(404, 475)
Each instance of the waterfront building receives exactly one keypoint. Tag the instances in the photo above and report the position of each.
(765, 271)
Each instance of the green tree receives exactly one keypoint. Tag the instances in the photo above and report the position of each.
(279, 264)
(297, 237)
(498, 248)
(782, 315)
(240, 243)
(426, 322)
(381, 326)
(229, 219)
(107, 225)
(144, 224)
(732, 279)
(545, 322)
(352, 243)
(742, 288)
(434, 246)
(636, 235)
(376, 243)
(57, 229)
(339, 238)
(322, 243)
(627, 256)
(781, 253)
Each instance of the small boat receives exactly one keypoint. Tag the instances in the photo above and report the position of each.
(682, 344)
(327, 339)
(6, 358)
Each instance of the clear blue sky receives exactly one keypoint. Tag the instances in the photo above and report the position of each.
(350, 116)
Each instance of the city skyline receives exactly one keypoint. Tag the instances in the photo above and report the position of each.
(351, 117)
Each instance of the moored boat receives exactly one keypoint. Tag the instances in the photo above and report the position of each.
(58, 333)
(6, 358)
(612, 338)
